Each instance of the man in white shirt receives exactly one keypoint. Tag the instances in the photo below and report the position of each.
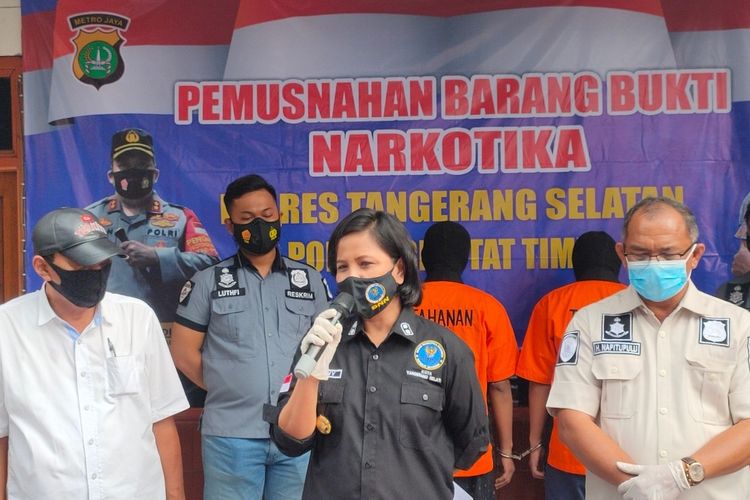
(652, 384)
(87, 385)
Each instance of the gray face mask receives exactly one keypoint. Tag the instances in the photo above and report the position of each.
(371, 295)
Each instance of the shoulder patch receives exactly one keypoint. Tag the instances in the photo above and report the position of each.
(714, 331)
(568, 354)
(187, 289)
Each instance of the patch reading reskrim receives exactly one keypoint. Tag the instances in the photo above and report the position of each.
(714, 331)
(429, 355)
(299, 285)
(568, 354)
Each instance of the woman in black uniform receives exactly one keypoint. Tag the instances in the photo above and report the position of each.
(393, 405)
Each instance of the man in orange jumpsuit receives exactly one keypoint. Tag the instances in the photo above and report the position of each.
(480, 321)
(596, 266)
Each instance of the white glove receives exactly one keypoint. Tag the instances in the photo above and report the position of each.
(653, 482)
(323, 333)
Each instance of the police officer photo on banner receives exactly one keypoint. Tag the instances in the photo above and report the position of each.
(652, 384)
(390, 408)
(165, 243)
(238, 325)
(88, 389)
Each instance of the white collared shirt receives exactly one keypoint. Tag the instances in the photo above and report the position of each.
(660, 390)
(78, 410)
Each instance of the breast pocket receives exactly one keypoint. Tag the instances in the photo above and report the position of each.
(709, 381)
(233, 335)
(331, 399)
(124, 375)
(295, 318)
(618, 376)
(421, 414)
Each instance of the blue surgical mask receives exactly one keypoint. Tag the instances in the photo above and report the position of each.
(658, 281)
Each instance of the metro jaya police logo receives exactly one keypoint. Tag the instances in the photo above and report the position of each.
(98, 39)
(429, 355)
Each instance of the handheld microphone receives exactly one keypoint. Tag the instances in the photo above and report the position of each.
(344, 305)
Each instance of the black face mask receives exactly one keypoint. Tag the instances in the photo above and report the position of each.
(84, 288)
(134, 183)
(259, 236)
(371, 295)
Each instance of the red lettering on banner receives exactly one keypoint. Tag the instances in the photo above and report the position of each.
(454, 151)
(343, 102)
(293, 109)
(455, 96)
(668, 92)
(507, 95)
(621, 93)
(423, 155)
(534, 94)
(358, 157)
(319, 101)
(237, 103)
(187, 99)
(369, 98)
(458, 151)
(210, 103)
(391, 148)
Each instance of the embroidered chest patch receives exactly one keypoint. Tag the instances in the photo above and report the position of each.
(714, 331)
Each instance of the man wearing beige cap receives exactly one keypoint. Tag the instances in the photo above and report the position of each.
(87, 385)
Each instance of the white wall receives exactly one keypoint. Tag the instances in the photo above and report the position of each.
(10, 27)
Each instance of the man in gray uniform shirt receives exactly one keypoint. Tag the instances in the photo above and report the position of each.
(237, 328)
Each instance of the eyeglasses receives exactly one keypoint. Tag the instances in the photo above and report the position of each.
(646, 257)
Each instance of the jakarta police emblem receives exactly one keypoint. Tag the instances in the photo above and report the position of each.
(98, 39)
(429, 355)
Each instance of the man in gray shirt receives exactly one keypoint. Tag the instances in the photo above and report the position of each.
(237, 328)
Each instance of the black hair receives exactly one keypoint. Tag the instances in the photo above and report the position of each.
(446, 247)
(243, 185)
(594, 255)
(392, 237)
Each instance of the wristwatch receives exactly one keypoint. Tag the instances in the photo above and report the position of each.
(693, 470)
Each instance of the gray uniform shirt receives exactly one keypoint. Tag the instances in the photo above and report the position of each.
(253, 327)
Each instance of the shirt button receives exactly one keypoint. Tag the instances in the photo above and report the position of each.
(83, 374)
(375, 357)
(425, 397)
(712, 376)
(91, 441)
(93, 476)
(269, 334)
(370, 427)
(662, 373)
(79, 341)
(663, 453)
(663, 411)
(367, 465)
(662, 334)
(373, 388)
(86, 407)
(613, 369)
